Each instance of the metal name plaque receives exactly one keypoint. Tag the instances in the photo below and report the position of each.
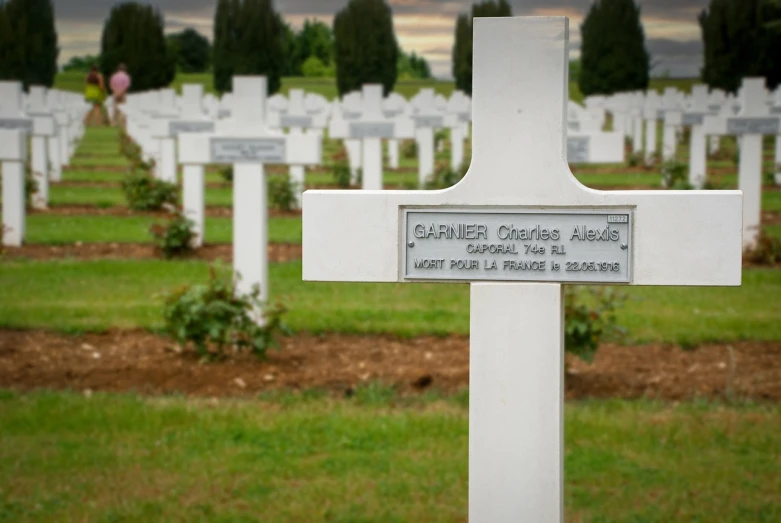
(578, 149)
(371, 129)
(287, 120)
(174, 128)
(348, 115)
(572, 246)
(248, 150)
(693, 118)
(753, 126)
(775, 110)
(573, 125)
(429, 121)
(17, 124)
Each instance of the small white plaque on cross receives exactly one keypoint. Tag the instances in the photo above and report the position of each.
(517, 191)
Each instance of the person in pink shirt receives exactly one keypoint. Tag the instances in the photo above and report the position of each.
(119, 83)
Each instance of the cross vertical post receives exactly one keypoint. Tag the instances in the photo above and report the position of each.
(517, 227)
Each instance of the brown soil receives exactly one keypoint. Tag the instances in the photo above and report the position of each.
(81, 210)
(277, 252)
(137, 361)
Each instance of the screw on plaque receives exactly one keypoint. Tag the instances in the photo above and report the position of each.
(624, 246)
(411, 244)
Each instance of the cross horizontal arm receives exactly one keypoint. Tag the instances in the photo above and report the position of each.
(519, 162)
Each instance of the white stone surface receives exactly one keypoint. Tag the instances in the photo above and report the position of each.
(519, 140)
(13, 154)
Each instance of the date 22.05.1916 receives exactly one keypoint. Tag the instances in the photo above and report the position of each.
(592, 266)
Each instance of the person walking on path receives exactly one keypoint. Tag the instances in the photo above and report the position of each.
(120, 83)
(95, 93)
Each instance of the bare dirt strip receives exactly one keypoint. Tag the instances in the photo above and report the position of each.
(140, 362)
(277, 252)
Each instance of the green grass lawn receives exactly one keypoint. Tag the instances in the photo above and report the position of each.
(96, 295)
(64, 457)
(56, 230)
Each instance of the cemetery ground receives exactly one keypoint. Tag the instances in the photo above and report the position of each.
(362, 412)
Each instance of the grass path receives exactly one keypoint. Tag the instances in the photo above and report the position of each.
(64, 457)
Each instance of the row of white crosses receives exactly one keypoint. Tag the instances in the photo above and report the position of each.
(546, 229)
(246, 141)
(587, 142)
(52, 121)
(750, 125)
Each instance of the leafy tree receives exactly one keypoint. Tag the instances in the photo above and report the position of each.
(613, 54)
(462, 48)
(191, 51)
(249, 39)
(741, 38)
(133, 35)
(313, 67)
(315, 39)
(225, 43)
(292, 66)
(81, 63)
(413, 66)
(28, 42)
(365, 46)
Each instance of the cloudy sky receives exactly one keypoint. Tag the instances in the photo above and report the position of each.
(423, 26)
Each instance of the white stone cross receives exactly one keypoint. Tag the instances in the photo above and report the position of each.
(653, 102)
(394, 105)
(427, 118)
(192, 118)
(248, 144)
(587, 142)
(299, 121)
(750, 125)
(520, 206)
(186, 117)
(44, 131)
(13, 155)
(371, 127)
(670, 114)
(39, 126)
(459, 114)
(694, 116)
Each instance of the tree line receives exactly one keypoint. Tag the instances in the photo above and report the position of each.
(740, 38)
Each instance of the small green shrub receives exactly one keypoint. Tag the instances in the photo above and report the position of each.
(635, 160)
(444, 176)
(675, 175)
(440, 136)
(341, 174)
(31, 186)
(226, 173)
(132, 151)
(212, 317)
(409, 149)
(590, 315)
(767, 250)
(175, 236)
(144, 192)
(282, 192)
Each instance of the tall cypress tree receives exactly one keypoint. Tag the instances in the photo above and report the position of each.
(613, 53)
(462, 54)
(249, 39)
(30, 41)
(365, 46)
(133, 35)
(462, 47)
(225, 43)
(741, 38)
(261, 42)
